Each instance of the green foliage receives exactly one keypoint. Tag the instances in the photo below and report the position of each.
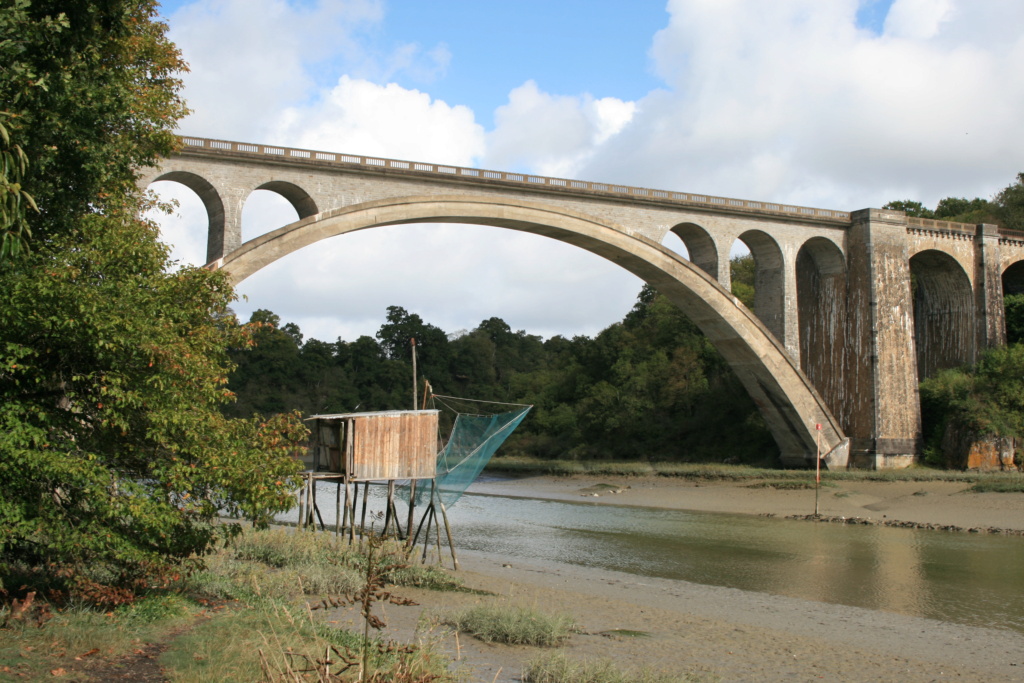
(910, 207)
(115, 459)
(742, 270)
(1014, 306)
(91, 91)
(986, 399)
(961, 210)
(650, 388)
(14, 201)
(1005, 209)
(1010, 204)
(113, 448)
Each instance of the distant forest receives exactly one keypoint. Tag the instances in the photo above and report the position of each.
(650, 387)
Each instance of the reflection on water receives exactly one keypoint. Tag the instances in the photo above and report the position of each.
(964, 578)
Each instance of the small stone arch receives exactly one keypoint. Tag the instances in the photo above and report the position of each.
(1013, 279)
(943, 312)
(700, 246)
(300, 200)
(1013, 285)
(211, 200)
(821, 287)
(769, 281)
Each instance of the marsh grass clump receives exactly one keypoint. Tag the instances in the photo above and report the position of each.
(789, 484)
(996, 484)
(557, 668)
(512, 625)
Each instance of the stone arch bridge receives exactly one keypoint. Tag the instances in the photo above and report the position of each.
(838, 338)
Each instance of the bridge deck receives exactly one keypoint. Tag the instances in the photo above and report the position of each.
(193, 146)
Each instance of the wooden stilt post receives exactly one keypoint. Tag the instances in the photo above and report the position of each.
(429, 514)
(437, 531)
(352, 513)
(312, 508)
(412, 506)
(362, 519)
(448, 531)
(389, 507)
(337, 510)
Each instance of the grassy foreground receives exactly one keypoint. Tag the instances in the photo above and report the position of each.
(247, 617)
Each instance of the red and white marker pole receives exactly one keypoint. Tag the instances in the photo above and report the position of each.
(817, 465)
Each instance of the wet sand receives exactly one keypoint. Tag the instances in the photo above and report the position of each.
(721, 633)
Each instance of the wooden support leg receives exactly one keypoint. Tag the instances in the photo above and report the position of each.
(389, 507)
(412, 506)
(362, 520)
(337, 510)
(448, 531)
(426, 538)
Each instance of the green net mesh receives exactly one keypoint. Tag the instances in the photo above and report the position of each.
(473, 441)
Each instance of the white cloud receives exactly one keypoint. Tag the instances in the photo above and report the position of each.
(787, 101)
(249, 58)
(917, 19)
(360, 117)
(552, 135)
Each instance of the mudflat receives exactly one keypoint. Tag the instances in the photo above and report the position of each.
(723, 634)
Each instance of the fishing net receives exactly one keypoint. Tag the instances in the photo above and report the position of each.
(475, 437)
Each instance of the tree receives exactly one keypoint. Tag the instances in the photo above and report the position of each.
(89, 89)
(743, 269)
(987, 399)
(960, 210)
(115, 460)
(911, 208)
(1010, 204)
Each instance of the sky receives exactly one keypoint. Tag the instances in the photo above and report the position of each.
(840, 104)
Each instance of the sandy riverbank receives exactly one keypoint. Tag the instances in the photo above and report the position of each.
(932, 502)
(726, 634)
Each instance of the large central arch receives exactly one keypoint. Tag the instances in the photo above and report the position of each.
(789, 403)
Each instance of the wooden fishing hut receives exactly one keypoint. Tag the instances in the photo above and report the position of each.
(350, 448)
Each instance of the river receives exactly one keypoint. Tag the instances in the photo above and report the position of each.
(970, 579)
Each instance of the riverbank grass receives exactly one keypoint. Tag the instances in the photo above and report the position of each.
(512, 625)
(558, 668)
(247, 616)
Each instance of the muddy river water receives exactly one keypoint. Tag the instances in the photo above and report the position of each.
(973, 579)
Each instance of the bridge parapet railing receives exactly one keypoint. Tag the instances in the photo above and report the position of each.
(526, 179)
(939, 228)
(956, 230)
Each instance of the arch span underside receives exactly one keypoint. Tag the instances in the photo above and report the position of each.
(822, 318)
(944, 326)
(787, 400)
